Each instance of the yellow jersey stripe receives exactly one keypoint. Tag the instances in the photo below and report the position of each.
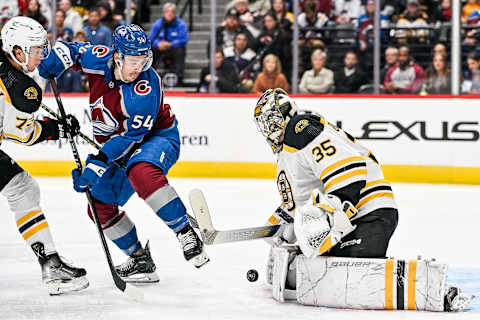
(4, 92)
(34, 230)
(326, 245)
(334, 166)
(373, 196)
(289, 149)
(375, 182)
(389, 284)
(27, 217)
(412, 277)
(344, 177)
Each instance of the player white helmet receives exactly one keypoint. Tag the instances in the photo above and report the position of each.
(25, 33)
(273, 111)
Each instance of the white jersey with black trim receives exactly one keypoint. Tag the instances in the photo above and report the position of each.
(316, 154)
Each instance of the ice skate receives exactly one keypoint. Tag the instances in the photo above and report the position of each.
(456, 300)
(58, 276)
(192, 246)
(139, 269)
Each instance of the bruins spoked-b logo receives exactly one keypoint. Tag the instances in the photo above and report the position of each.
(31, 93)
(285, 190)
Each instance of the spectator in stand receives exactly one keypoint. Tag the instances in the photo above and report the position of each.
(34, 11)
(273, 39)
(323, 6)
(247, 17)
(469, 8)
(96, 32)
(346, 11)
(229, 28)
(442, 12)
(80, 36)
(392, 8)
(169, 37)
(319, 79)
(471, 82)
(73, 20)
(364, 25)
(106, 16)
(350, 77)
(240, 55)
(260, 7)
(414, 17)
(391, 58)
(438, 76)
(226, 77)
(405, 76)
(310, 22)
(271, 76)
(284, 17)
(63, 33)
(8, 10)
(440, 48)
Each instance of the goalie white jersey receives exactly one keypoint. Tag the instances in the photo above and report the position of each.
(317, 154)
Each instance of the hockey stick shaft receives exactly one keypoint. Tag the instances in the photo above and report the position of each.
(193, 221)
(119, 282)
(212, 236)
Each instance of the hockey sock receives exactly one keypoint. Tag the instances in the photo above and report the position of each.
(23, 195)
(117, 226)
(152, 186)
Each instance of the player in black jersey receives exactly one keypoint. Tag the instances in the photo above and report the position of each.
(24, 45)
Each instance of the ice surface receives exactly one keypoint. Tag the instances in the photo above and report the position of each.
(440, 221)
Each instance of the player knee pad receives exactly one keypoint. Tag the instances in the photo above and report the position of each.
(22, 193)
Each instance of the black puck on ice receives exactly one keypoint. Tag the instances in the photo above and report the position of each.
(252, 275)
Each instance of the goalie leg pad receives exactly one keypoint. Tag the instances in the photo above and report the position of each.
(357, 283)
(282, 260)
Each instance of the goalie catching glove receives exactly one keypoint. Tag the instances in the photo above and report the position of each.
(321, 224)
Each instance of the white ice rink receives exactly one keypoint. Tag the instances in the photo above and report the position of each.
(440, 221)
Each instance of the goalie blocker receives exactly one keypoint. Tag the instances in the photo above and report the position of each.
(357, 283)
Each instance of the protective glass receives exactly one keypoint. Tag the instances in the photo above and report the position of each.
(41, 52)
(135, 62)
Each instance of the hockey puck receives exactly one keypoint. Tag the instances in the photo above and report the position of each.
(252, 275)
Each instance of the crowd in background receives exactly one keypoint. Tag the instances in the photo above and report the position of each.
(254, 42)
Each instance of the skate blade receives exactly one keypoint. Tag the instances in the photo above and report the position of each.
(142, 278)
(462, 301)
(58, 287)
(200, 260)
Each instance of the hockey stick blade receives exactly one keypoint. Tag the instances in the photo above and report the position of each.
(212, 236)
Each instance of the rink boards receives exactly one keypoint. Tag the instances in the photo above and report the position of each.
(415, 139)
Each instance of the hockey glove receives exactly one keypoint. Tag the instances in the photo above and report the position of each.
(95, 167)
(71, 124)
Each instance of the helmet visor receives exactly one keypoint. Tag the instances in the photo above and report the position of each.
(42, 51)
(135, 62)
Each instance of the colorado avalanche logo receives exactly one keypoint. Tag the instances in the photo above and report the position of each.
(100, 51)
(142, 88)
(103, 122)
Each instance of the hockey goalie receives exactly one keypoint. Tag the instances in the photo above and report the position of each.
(341, 214)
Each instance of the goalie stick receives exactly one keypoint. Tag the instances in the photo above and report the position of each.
(192, 220)
(131, 291)
(212, 236)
